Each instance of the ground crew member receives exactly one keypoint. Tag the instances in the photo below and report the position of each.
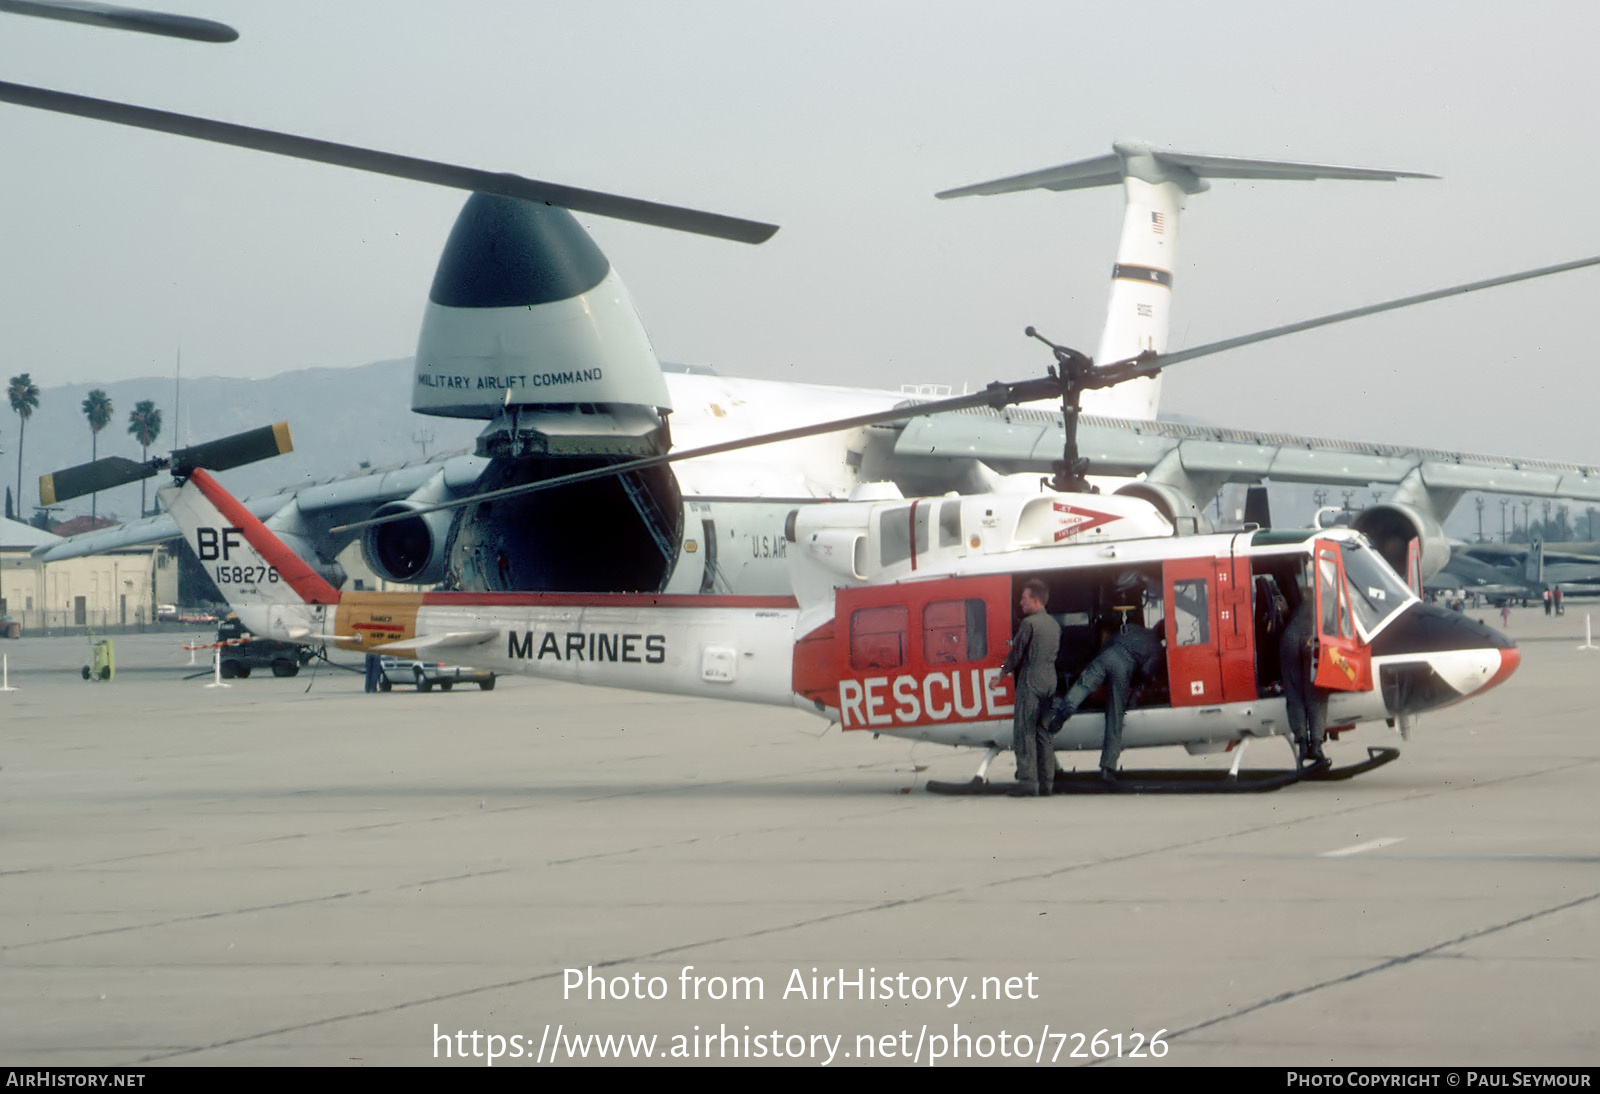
(1307, 703)
(1033, 659)
(1134, 651)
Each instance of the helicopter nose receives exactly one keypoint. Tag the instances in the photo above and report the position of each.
(1431, 657)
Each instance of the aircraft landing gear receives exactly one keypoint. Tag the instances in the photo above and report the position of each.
(979, 783)
(1185, 781)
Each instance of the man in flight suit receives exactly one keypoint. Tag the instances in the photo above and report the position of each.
(1134, 651)
(1307, 703)
(1033, 659)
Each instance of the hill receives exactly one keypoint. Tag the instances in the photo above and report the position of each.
(338, 418)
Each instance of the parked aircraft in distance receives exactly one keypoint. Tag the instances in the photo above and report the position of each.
(1521, 571)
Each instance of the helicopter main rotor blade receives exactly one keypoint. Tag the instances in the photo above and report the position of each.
(117, 17)
(996, 395)
(387, 163)
(1356, 313)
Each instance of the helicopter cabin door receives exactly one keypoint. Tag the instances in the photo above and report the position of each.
(915, 654)
(1194, 666)
(1343, 663)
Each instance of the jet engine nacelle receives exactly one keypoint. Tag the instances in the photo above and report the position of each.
(1392, 526)
(410, 551)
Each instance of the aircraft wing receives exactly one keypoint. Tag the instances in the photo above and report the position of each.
(1029, 439)
(135, 533)
(309, 511)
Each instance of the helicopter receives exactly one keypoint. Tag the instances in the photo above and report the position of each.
(899, 612)
(831, 643)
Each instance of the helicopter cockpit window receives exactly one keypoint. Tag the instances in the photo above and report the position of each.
(955, 630)
(1335, 600)
(894, 533)
(1191, 613)
(1376, 591)
(878, 637)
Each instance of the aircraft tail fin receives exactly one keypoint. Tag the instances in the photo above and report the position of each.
(1533, 563)
(1155, 183)
(251, 566)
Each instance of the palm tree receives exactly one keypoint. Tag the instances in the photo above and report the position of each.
(97, 408)
(24, 396)
(144, 422)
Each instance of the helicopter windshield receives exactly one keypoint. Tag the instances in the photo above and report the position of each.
(1376, 591)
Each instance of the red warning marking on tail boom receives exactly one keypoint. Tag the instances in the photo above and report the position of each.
(291, 567)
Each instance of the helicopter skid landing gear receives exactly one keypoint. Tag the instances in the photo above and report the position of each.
(1181, 781)
(1326, 772)
(979, 783)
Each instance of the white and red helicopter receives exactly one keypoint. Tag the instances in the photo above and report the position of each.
(896, 611)
(900, 612)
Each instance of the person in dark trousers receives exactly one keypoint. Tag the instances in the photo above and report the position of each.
(1132, 654)
(1307, 703)
(1033, 659)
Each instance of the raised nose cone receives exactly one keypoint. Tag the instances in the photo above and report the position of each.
(1431, 657)
(526, 311)
(505, 253)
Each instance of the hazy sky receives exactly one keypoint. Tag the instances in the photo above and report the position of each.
(839, 121)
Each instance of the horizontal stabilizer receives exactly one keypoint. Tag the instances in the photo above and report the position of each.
(446, 640)
(1233, 167)
(1188, 169)
(1100, 171)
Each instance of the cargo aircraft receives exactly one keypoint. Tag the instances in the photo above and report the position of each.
(521, 285)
